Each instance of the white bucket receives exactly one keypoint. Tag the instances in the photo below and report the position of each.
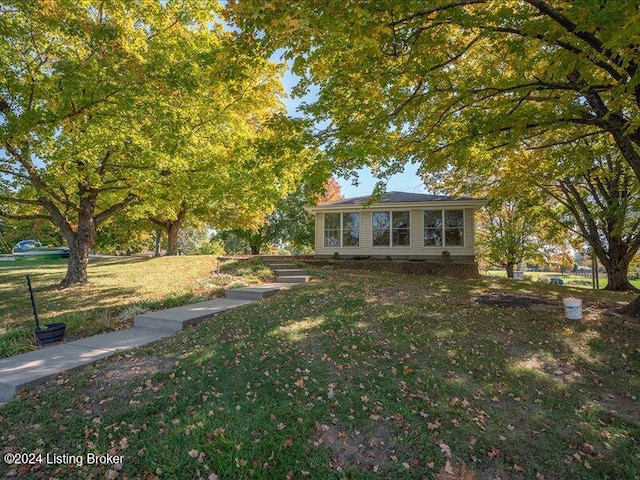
(573, 308)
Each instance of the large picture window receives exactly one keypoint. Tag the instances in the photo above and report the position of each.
(443, 228)
(341, 229)
(391, 229)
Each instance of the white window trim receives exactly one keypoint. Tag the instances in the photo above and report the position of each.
(390, 245)
(342, 214)
(444, 240)
(324, 229)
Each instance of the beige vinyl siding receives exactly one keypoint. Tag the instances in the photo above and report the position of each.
(469, 228)
(319, 231)
(417, 225)
(366, 233)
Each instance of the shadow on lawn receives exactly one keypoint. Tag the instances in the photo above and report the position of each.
(507, 392)
(561, 390)
(395, 375)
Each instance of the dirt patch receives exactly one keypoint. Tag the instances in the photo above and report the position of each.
(623, 406)
(122, 370)
(456, 472)
(373, 451)
(529, 302)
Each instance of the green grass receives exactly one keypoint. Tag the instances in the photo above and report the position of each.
(358, 375)
(568, 279)
(118, 290)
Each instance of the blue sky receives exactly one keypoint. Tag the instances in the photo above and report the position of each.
(407, 181)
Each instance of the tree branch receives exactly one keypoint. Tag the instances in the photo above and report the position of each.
(615, 74)
(547, 10)
(566, 142)
(113, 209)
(440, 8)
(24, 217)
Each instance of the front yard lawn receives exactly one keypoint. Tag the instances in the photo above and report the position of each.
(119, 288)
(358, 375)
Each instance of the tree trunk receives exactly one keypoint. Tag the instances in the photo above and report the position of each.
(173, 229)
(616, 262)
(509, 268)
(80, 240)
(617, 279)
(156, 252)
(78, 261)
(172, 236)
(255, 249)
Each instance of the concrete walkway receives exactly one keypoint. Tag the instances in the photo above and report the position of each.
(286, 271)
(33, 368)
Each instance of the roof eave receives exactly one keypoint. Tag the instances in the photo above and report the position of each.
(475, 203)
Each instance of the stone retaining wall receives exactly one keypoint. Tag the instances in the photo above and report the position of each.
(438, 269)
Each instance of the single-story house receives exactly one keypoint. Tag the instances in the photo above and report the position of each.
(400, 225)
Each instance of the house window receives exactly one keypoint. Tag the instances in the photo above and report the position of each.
(332, 230)
(400, 231)
(381, 222)
(391, 229)
(341, 229)
(443, 228)
(350, 229)
(453, 228)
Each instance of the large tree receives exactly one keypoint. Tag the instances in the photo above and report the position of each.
(462, 82)
(290, 224)
(509, 232)
(601, 204)
(97, 96)
(240, 174)
(459, 81)
(585, 188)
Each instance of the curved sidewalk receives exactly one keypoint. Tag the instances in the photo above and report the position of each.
(33, 368)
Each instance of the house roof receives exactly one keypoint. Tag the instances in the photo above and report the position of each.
(398, 198)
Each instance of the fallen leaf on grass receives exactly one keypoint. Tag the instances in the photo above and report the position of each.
(448, 468)
(494, 452)
(454, 472)
(435, 425)
(445, 449)
(588, 449)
